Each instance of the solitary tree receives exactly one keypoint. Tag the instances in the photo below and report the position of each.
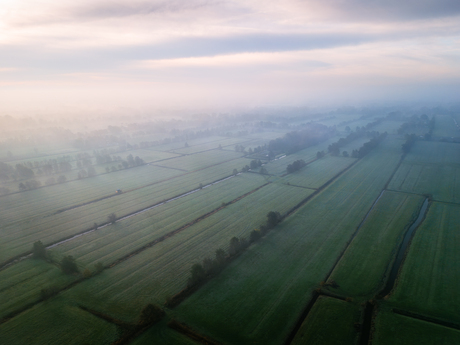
(68, 265)
(235, 172)
(197, 274)
(112, 218)
(39, 250)
(273, 218)
(150, 314)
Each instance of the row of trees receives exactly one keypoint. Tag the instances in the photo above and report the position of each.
(367, 147)
(294, 141)
(410, 141)
(295, 166)
(211, 266)
(334, 148)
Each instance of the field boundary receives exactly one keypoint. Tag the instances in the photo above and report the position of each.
(426, 318)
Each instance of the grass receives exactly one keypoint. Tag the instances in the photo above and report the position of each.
(38, 222)
(395, 329)
(429, 280)
(278, 167)
(55, 323)
(163, 270)
(112, 242)
(226, 143)
(160, 333)
(430, 168)
(330, 321)
(20, 284)
(201, 160)
(260, 296)
(319, 172)
(362, 270)
(445, 127)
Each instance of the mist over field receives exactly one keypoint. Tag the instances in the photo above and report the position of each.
(229, 172)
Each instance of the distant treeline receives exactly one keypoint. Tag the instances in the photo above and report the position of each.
(298, 140)
(296, 165)
(334, 148)
(367, 147)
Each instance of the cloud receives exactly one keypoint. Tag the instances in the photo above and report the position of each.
(382, 10)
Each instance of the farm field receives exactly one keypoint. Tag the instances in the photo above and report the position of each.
(20, 284)
(317, 173)
(430, 168)
(261, 294)
(361, 274)
(162, 270)
(162, 334)
(56, 323)
(201, 160)
(445, 127)
(428, 283)
(226, 143)
(114, 241)
(49, 229)
(73, 193)
(330, 321)
(339, 240)
(212, 140)
(395, 329)
(278, 167)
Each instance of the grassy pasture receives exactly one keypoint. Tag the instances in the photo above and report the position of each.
(227, 143)
(445, 127)
(430, 152)
(194, 142)
(20, 284)
(395, 329)
(330, 321)
(201, 160)
(56, 323)
(430, 168)
(278, 167)
(361, 271)
(163, 270)
(430, 276)
(160, 333)
(261, 294)
(19, 235)
(112, 242)
(319, 172)
(44, 201)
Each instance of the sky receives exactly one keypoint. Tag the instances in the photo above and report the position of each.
(92, 54)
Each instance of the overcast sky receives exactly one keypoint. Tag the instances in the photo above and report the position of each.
(200, 53)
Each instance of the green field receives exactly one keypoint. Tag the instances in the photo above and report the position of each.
(429, 280)
(341, 239)
(430, 168)
(56, 323)
(360, 273)
(330, 321)
(316, 174)
(260, 295)
(445, 127)
(162, 334)
(20, 284)
(163, 270)
(19, 235)
(112, 242)
(394, 329)
(202, 160)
